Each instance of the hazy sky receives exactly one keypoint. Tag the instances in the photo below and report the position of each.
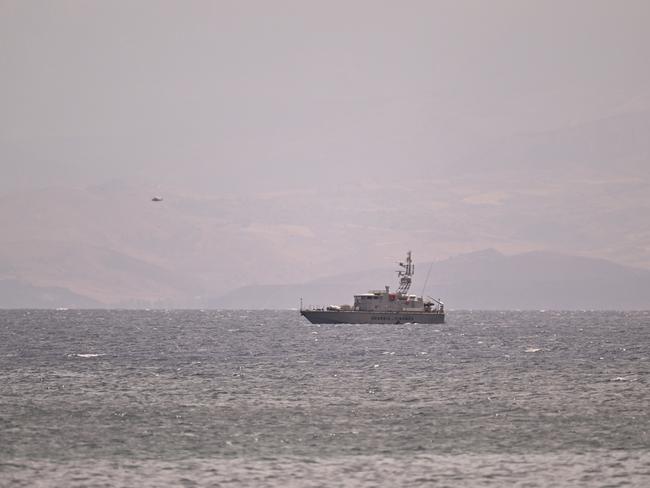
(228, 95)
(293, 139)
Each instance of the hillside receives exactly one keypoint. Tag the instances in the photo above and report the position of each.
(579, 189)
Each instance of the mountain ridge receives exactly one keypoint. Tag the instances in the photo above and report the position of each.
(486, 279)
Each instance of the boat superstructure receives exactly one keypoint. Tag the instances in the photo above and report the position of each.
(383, 306)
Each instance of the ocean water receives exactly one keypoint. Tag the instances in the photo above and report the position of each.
(253, 398)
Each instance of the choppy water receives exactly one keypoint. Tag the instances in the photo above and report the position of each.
(242, 398)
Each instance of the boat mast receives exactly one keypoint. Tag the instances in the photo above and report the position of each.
(405, 274)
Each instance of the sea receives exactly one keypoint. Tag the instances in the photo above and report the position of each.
(105, 398)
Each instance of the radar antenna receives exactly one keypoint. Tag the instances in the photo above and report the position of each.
(405, 274)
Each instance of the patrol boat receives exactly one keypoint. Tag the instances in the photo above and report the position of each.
(383, 306)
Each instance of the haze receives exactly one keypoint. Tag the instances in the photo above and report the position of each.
(296, 140)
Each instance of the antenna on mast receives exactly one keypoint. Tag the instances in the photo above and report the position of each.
(405, 274)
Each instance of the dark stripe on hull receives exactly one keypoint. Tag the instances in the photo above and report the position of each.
(357, 317)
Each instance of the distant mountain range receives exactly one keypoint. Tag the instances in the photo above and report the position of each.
(486, 280)
(16, 294)
(580, 189)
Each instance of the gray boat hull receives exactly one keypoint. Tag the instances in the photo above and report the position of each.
(359, 317)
